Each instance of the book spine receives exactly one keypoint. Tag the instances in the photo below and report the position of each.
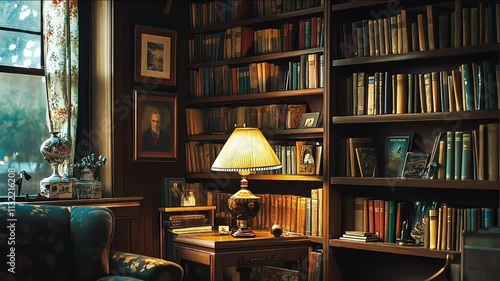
(433, 229)
(466, 156)
(442, 160)
(492, 137)
(458, 155)
(450, 155)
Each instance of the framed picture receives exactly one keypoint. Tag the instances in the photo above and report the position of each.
(309, 120)
(171, 192)
(155, 126)
(415, 164)
(155, 51)
(394, 155)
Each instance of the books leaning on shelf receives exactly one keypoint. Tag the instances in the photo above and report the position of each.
(360, 236)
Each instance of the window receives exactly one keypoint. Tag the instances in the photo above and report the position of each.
(23, 93)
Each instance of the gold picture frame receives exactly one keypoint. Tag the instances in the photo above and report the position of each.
(155, 126)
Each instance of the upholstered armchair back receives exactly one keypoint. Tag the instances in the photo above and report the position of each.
(54, 243)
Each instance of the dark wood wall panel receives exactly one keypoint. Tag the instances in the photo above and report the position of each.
(134, 178)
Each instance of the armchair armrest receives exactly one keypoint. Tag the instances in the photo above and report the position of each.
(144, 267)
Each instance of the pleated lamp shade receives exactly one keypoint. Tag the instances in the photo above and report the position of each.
(246, 150)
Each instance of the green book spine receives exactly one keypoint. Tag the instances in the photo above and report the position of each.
(392, 222)
(468, 88)
(466, 159)
(458, 155)
(307, 34)
(474, 29)
(450, 154)
(489, 216)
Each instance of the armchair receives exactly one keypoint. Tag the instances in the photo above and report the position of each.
(44, 242)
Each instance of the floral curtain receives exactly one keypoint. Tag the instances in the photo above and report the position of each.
(59, 52)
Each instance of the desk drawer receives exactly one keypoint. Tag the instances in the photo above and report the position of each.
(263, 257)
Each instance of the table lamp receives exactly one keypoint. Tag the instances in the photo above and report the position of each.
(246, 150)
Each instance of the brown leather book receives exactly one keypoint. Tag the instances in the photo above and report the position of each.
(431, 27)
(401, 94)
(457, 89)
(492, 136)
(436, 104)
(421, 32)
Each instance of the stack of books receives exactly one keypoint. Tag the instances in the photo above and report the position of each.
(187, 223)
(360, 236)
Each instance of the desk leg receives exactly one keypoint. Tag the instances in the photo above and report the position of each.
(162, 237)
(216, 268)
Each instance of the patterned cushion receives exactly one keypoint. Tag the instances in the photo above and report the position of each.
(40, 238)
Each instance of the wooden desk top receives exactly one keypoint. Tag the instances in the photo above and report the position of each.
(214, 240)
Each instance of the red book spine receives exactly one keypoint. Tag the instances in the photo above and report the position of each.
(371, 216)
(382, 220)
(313, 32)
(302, 32)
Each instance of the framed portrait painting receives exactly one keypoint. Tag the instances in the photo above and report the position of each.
(155, 51)
(155, 126)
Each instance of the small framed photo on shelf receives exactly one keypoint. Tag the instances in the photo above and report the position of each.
(155, 51)
(171, 192)
(415, 165)
(155, 126)
(394, 155)
(309, 120)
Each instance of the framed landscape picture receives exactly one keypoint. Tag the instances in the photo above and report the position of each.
(155, 126)
(415, 164)
(155, 51)
(394, 156)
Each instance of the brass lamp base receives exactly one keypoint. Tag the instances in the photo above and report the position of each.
(243, 231)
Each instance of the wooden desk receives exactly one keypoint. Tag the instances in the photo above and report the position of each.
(218, 252)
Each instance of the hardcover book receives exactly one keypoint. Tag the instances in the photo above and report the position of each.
(394, 155)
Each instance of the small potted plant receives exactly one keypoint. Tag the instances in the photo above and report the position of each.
(87, 187)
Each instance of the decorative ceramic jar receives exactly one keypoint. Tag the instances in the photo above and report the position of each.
(55, 150)
(87, 187)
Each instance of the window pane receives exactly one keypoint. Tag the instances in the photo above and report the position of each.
(20, 49)
(24, 15)
(22, 129)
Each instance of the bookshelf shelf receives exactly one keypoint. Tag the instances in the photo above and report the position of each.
(419, 117)
(271, 134)
(235, 176)
(240, 99)
(252, 21)
(358, 4)
(186, 209)
(417, 183)
(419, 56)
(391, 248)
(260, 58)
(316, 239)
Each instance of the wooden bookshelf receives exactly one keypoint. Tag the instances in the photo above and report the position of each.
(235, 176)
(391, 248)
(417, 183)
(411, 57)
(251, 98)
(259, 20)
(313, 99)
(346, 59)
(281, 134)
(260, 58)
(419, 117)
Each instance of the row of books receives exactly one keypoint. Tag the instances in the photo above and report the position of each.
(225, 11)
(445, 225)
(390, 221)
(243, 41)
(455, 155)
(224, 119)
(470, 87)
(300, 159)
(466, 155)
(293, 213)
(433, 29)
(307, 73)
